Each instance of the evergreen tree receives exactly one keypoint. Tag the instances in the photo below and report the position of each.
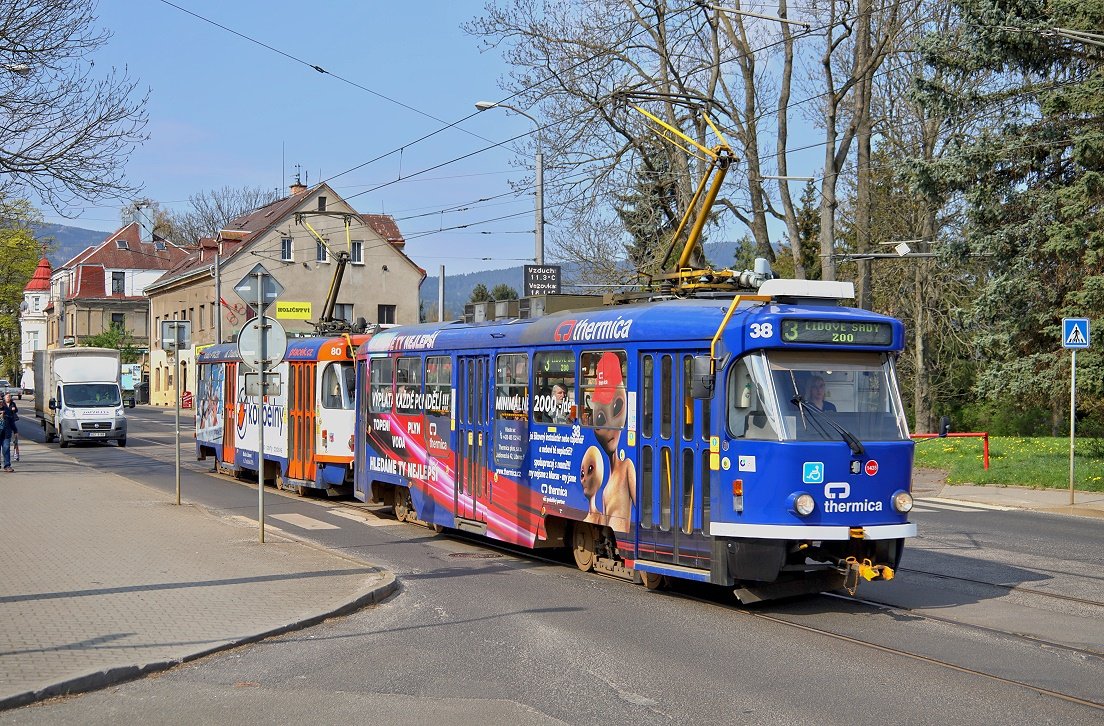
(479, 294)
(1033, 187)
(502, 291)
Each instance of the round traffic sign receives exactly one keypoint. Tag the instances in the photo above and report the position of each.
(249, 342)
(871, 467)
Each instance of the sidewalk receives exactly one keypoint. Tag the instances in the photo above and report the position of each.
(103, 579)
(928, 484)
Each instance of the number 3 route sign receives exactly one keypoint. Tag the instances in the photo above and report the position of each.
(1075, 333)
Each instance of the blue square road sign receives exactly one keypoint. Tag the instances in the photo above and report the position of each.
(1075, 332)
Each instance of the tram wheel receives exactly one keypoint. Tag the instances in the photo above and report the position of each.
(653, 580)
(582, 541)
(403, 508)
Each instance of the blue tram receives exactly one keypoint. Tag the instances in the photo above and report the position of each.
(757, 442)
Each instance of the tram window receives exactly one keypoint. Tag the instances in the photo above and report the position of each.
(382, 395)
(604, 398)
(746, 415)
(706, 490)
(647, 492)
(687, 490)
(337, 382)
(647, 395)
(554, 387)
(665, 484)
(687, 401)
(438, 386)
(408, 385)
(512, 386)
(665, 397)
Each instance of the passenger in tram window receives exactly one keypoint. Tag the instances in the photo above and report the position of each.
(814, 394)
(561, 404)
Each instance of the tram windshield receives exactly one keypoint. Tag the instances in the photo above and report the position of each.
(787, 395)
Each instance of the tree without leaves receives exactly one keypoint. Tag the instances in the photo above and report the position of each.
(211, 210)
(65, 132)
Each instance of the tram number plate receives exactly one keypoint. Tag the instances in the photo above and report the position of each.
(94, 434)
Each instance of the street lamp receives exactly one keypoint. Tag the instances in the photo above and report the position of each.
(483, 106)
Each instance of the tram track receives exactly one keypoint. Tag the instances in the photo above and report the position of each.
(752, 612)
(1003, 586)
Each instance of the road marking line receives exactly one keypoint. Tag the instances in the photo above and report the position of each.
(370, 521)
(304, 522)
(959, 505)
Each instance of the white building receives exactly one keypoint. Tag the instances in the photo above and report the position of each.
(32, 320)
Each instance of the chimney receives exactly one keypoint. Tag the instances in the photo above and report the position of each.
(144, 221)
(297, 187)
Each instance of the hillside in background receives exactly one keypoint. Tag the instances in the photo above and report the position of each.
(65, 242)
(458, 288)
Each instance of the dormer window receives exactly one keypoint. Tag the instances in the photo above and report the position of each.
(118, 283)
(160, 245)
(122, 244)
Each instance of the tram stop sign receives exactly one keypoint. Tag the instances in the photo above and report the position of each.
(270, 288)
(249, 343)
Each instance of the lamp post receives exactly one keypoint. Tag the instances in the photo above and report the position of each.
(483, 106)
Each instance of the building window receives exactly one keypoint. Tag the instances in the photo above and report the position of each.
(118, 283)
(321, 204)
(385, 314)
(322, 254)
(201, 317)
(285, 249)
(356, 253)
(36, 303)
(343, 311)
(118, 320)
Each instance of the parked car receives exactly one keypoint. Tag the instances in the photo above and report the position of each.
(6, 387)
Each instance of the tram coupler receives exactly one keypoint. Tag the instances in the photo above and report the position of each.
(865, 569)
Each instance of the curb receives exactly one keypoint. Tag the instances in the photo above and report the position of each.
(120, 674)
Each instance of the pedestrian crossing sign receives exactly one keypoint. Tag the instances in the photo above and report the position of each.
(1075, 332)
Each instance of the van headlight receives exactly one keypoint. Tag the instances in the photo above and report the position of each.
(68, 413)
(120, 413)
(802, 503)
(902, 502)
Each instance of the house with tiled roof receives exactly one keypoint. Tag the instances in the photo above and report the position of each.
(103, 286)
(298, 240)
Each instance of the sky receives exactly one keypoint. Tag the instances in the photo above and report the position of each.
(224, 111)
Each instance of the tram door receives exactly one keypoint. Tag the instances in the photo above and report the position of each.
(674, 478)
(230, 414)
(301, 414)
(473, 434)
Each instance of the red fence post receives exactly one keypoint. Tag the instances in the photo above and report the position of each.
(985, 448)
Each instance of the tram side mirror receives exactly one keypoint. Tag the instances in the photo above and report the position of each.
(944, 426)
(701, 377)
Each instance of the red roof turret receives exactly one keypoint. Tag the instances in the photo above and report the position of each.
(40, 281)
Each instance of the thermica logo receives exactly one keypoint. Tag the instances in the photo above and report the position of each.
(835, 491)
(570, 331)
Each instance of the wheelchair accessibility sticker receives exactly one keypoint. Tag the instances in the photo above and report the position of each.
(813, 472)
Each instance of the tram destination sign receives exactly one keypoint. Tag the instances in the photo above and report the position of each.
(841, 332)
(542, 280)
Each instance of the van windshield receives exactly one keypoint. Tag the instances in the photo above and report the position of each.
(84, 395)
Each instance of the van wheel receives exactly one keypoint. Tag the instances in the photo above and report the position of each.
(62, 441)
(122, 442)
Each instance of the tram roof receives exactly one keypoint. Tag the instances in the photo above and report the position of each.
(661, 321)
(324, 348)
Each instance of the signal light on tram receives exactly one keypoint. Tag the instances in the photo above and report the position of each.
(738, 495)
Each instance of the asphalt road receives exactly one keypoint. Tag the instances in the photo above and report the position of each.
(481, 635)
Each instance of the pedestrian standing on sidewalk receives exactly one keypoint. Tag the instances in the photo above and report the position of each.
(6, 425)
(9, 403)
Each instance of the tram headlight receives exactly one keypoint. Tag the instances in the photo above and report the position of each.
(902, 502)
(802, 503)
